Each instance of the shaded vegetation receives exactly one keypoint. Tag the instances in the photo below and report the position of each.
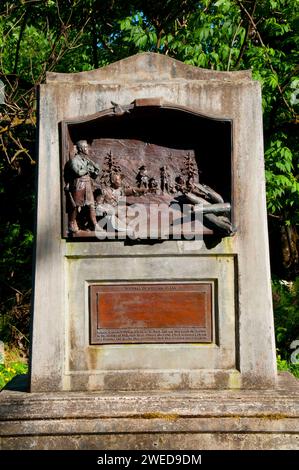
(286, 317)
(10, 371)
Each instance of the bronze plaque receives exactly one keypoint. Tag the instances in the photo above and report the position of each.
(151, 313)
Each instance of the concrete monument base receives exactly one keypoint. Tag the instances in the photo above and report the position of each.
(220, 338)
(195, 420)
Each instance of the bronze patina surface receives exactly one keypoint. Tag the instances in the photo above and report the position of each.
(151, 313)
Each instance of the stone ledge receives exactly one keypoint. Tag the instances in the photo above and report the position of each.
(182, 420)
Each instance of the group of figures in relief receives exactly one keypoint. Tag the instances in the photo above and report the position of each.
(92, 192)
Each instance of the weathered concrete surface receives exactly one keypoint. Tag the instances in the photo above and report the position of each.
(150, 366)
(62, 357)
(141, 67)
(177, 420)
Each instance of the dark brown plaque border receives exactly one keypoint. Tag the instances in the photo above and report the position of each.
(195, 334)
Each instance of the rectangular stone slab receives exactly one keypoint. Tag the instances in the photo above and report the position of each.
(230, 156)
(203, 419)
(151, 313)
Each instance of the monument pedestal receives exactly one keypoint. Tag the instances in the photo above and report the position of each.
(195, 420)
(151, 341)
(151, 314)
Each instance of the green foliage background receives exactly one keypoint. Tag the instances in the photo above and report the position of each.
(7, 373)
(74, 35)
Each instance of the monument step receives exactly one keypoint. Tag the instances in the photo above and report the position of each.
(205, 419)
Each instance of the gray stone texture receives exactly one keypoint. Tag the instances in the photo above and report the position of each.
(244, 354)
(195, 420)
(2, 92)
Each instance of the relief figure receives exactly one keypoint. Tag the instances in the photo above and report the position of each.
(79, 173)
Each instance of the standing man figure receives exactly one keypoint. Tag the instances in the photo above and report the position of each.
(79, 173)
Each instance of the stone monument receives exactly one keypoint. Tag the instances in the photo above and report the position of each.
(157, 313)
(130, 303)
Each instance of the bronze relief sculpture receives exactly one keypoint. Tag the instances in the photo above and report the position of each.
(115, 164)
(98, 192)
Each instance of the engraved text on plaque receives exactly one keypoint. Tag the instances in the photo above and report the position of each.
(151, 313)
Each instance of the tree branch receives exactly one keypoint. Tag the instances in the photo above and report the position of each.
(94, 44)
(243, 47)
(22, 29)
(232, 44)
(290, 109)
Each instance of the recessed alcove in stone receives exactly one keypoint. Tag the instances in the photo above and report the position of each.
(153, 133)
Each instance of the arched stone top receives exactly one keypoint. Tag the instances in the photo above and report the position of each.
(145, 67)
